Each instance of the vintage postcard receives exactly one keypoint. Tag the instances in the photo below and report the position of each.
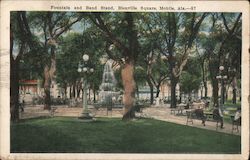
(124, 79)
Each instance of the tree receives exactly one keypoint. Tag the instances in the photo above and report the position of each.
(21, 40)
(140, 78)
(222, 45)
(69, 55)
(72, 48)
(52, 25)
(179, 30)
(190, 78)
(233, 50)
(160, 73)
(151, 58)
(203, 61)
(121, 33)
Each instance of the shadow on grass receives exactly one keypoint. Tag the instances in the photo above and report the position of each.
(33, 118)
(41, 139)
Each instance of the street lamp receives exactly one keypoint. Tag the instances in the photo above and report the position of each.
(221, 77)
(84, 68)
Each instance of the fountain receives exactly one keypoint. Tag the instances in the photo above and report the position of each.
(108, 94)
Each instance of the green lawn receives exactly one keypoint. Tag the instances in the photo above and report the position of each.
(112, 135)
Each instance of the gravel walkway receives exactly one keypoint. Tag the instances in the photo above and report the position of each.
(164, 113)
(161, 113)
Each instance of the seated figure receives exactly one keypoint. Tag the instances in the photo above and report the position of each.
(200, 115)
(237, 117)
(218, 116)
(189, 103)
(236, 120)
(237, 114)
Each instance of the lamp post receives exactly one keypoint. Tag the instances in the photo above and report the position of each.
(221, 77)
(84, 68)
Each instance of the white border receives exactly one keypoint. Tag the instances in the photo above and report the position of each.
(201, 6)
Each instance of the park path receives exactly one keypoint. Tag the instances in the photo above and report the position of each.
(164, 114)
(161, 113)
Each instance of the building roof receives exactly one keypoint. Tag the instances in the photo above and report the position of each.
(28, 82)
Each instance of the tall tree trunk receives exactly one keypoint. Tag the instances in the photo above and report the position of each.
(14, 89)
(94, 92)
(213, 68)
(129, 90)
(226, 89)
(204, 77)
(173, 92)
(78, 91)
(74, 90)
(14, 83)
(151, 88)
(215, 93)
(89, 94)
(137, 92)
(234, 84)
(70, 91)
(47, 82)
(49, 71)
(234, 95)
(65, 91)
(205, 88)
(222, 96)
(180, 96)
(157, 90)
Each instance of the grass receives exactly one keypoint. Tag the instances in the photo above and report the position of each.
(112, 135)
(230, 103)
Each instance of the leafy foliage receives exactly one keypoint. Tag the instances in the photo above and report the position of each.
(159, 44)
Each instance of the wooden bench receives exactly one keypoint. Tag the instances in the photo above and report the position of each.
(235, 124)
(209, 115)
(179, 108)
(198, 105)
(195, 114)
(213, 118)
(189, 116)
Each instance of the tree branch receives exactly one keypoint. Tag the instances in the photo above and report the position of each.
(231, 31)
(111, 55)
(225, 23)
(67, 27)
(100, 24)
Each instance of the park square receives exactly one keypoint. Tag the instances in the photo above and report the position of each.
(125, 82)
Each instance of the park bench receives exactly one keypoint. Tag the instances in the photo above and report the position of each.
(197, 114)
(213, 118)
(217, 118)
(235, 123)
(179, 109)
(189, 116)
(198, 105)
(209, 115)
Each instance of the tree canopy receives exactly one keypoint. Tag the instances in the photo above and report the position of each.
(147, 48)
